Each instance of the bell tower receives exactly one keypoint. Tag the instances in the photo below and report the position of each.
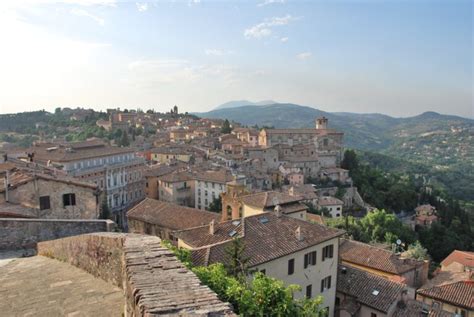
(322, 123)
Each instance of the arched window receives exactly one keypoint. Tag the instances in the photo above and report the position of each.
(240, 212)
(229, 212)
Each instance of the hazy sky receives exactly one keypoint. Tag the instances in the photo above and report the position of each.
(394, 57)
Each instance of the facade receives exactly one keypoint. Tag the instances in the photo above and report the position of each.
(48, 197)
(247, 135)
(118, 172)
(331, 204)
(161, 219)
(177, 188)
(267, 202)
(384, 263)
(152, 173)
(325, 141)
(289, 249)
(167, 155)
(209, 185)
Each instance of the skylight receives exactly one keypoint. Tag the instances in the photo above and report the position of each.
(232, 233)
(263, 219)
(375, 292)
(236, 222)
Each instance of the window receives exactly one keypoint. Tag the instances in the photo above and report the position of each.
(69, 200)
(373, 315)
(310, 259)
(45, 203)
(309, 290)
(263, 271)
(291, 266)
(328, 252)
(325, 283)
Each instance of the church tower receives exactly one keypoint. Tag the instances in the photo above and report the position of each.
(321, 123)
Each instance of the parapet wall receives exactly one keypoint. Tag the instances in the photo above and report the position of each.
(100, 254)
(154, 281)
(17, 233)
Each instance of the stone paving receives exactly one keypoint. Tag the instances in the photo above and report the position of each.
(40, 286)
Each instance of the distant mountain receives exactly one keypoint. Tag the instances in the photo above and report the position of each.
(240, 103)
(443, 143)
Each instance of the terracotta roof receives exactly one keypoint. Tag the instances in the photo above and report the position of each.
(269, 199)
(220, 176)
(465, 258)
(160, 170)
(59, 152)
(368, 289)
(315, 218)
(458, 294)
(176, 177)
(415, 308)
(329, 201)
(369, 256)
(265, 236)
(169, 215)
(20, 177)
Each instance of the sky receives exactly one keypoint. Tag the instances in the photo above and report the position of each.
(399, 58)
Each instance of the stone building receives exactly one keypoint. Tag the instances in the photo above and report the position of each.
(209, 185)
(291, 250)
(161, 219)
(177, 188)
(384, 263)
(325, 140)
(48, 196)
(152, 173)
(117, 171)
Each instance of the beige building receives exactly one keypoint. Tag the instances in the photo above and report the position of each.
(267, 202)
(152, 173)
(331, 204)
(177, 188)
(247, 135)
(167, 155)
(289, 249)
(384, 263)
(325, 140)
(49, 197)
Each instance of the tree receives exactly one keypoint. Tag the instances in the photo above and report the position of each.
(350, 161)
(238, 263)
(124, 141)
(215, 205)
(417, 252)
(226, 127)
(104, 209)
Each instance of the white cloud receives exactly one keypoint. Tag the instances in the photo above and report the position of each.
(304, 55)
(263, 29)
(84, 13)
(142, 7)
(284, 39)
(217, 52)
(192, 2)
(267, 2)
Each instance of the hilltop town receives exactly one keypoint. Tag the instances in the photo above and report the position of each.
(152, 204)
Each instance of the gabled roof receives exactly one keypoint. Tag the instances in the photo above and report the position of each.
(269, 199)
(171, 216)
(459, 294)
(372, 257)
(266, 237)
(465, 258)
(368, 289)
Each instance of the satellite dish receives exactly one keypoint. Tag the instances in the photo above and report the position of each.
(399, 241)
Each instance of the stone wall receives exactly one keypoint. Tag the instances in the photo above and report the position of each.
(28, 195)
(16, 233)
(100, 254)
(154, 281)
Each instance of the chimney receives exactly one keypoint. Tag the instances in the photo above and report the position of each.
(278, 211)
(299, 235)
(212, 227)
